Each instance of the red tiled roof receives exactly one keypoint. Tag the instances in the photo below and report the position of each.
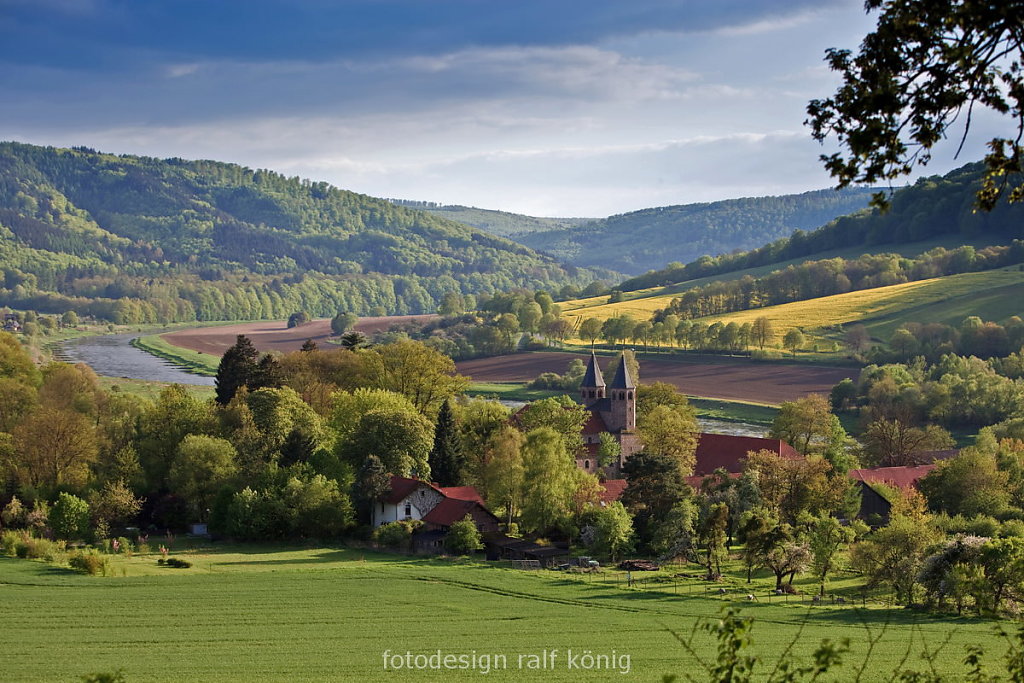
(401, 487)
(612, 491)
(725, 451)
(462, 493)
(449, 511)
(900, 477)
(595, 424)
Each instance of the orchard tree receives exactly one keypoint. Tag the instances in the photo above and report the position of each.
(590, 329)
(793, 340)
(762, 333)
(926, 66)
(826, 537)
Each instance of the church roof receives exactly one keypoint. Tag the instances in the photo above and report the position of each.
(593, 376)
(622, 379)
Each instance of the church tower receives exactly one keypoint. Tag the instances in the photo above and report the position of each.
(592, 388)
(622, 399)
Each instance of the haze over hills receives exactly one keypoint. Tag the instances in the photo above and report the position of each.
(502, 223)
(641, 240)
(136, 239)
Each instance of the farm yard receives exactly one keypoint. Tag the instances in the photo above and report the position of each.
(269, 613)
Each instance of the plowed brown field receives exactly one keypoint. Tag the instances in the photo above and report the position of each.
(738, 380)
(274, 335)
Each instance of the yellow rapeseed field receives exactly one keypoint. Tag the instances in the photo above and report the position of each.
(831, 310)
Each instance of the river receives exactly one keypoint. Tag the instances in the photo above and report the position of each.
(112, 355)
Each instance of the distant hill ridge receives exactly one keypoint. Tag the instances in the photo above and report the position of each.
(932, 207)
(641, 240)
(138, 239)
(502, 223)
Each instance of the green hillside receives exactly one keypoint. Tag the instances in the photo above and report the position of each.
(501, 223)
(137, 239)
(641, 240)
(938, 207)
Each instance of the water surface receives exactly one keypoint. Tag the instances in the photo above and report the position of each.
(111, 355)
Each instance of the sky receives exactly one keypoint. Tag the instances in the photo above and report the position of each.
(543, 107)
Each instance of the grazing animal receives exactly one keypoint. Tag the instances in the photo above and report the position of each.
(721, 591)
(841, 601)
(750, 597)
(779, 591)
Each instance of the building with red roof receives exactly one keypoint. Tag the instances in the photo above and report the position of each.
(904, 478)
(727, 452)
(438, 508)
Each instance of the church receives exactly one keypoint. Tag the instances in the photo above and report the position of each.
(613, 411)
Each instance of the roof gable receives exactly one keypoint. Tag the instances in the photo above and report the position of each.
(899, 477)
(622, 380)
(593, 376)
(725, 451)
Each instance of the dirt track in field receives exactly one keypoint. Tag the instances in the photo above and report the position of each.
(738, 380)
(274, 335)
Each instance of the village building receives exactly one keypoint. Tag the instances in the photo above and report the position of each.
(438, 508)
(874, 507)
(11, 323)
(612, 411)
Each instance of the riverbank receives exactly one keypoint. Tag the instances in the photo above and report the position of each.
(195, 362)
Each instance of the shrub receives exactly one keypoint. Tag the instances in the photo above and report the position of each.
(14, 513)
(9, 540)
(89, 562)
(178, 563)
(394, 534)
(69, 517)
(463, 537)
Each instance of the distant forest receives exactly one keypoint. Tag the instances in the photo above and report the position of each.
(642, 240)
(501, 223)
(932, 207)
(134, 239)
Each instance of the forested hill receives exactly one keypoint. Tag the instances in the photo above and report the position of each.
(641, 240)
(501, 223)
(139, 239)
(933, 207)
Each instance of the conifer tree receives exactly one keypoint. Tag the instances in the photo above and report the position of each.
(237, 366)
(446, 457)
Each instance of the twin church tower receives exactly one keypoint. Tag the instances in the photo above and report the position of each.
(612, 410)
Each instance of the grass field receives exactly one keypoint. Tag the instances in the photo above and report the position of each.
(909, 249)
(512, 391)
(992, 295)
(146, 389)
(274, 614)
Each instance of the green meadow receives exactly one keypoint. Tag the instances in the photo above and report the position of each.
(318, 614)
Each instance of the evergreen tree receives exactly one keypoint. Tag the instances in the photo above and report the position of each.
(237, 366)
(446, 457)
(268, 374)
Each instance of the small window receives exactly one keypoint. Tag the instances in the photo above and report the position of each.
(586, 464)
(408, 510)
(630, 396)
